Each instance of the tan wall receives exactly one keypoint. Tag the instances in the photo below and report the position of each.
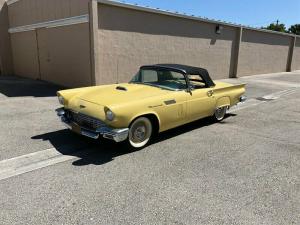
(60, 54)
(262, 52)
(127, 39)
(25, 54)
(26, 12)
(130, 38)
(65, 55)
(296, 56)
(5, 46)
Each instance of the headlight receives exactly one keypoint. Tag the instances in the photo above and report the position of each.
(61, 100)
(109, 114)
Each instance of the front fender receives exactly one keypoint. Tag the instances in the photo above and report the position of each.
(145, 114)
(124, 118)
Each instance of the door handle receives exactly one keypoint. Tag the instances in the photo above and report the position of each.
(210, 93)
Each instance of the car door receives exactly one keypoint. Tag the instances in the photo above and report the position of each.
(171, 105)
(173, 112)
(201, 102)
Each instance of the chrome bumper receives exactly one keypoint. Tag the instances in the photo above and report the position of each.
(243, 98)
(118, 135)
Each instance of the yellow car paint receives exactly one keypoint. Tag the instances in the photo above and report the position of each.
(171, 108)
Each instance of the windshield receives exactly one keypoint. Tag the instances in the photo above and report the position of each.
(165, 79)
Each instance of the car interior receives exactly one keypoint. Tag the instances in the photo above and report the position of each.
(172, 80)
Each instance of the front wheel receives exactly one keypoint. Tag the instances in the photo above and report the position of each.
(140, 132)
(220, 113)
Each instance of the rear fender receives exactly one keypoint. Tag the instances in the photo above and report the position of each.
(223, 102)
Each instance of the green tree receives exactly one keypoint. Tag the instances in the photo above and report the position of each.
(276, 27)
(295, 29)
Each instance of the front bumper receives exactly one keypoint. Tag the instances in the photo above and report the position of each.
(118, 135)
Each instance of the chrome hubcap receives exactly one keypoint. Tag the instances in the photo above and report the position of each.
(220, 112)
(140, 133)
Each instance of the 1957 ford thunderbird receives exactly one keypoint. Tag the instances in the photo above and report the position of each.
(158, 98)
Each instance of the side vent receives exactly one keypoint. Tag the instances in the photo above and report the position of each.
(121, 88)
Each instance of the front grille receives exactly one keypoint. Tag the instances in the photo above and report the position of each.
(86, 121)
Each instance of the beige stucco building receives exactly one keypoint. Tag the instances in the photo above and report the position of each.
(85, 42)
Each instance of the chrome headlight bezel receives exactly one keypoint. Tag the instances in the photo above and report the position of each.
(61, 100)
(109, 115)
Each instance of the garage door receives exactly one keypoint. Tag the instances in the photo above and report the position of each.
(25, 54)
(64, 55)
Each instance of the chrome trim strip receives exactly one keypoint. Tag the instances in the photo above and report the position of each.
(51, 24)
(89, 134)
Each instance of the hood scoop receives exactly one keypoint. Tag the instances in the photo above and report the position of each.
(120, 88)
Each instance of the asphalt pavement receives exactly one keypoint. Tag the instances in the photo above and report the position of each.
(244, 170)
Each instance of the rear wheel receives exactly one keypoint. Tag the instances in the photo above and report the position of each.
(140, 132)
(220, 113)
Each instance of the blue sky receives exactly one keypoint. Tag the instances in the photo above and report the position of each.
(254, 13)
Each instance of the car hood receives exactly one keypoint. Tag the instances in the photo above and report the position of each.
(110, 95)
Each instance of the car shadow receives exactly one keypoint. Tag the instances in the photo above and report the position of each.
(98, 152)
(14, 86)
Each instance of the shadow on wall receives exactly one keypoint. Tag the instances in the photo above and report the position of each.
(5, 46)
(12, 86)
(98, 152)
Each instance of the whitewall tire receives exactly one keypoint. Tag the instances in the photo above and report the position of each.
(220, 113)
(140, 132)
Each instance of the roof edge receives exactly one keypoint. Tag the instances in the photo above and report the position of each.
(186, 16)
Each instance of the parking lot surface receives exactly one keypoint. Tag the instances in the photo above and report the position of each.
(244, 170)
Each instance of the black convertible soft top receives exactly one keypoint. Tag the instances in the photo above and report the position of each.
(188, 70)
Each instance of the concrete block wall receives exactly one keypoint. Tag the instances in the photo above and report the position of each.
(262, 52)
(129, 38)
(51, 40)
(25, 12)
(6, 66)
(85, 42)
(296, 55)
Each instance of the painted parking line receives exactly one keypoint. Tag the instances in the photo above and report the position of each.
(37, 160)
(274, 82)
(27, 163)
(254, 102)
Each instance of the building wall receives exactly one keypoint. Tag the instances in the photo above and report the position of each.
(26, 12)
(65, 55)
(126, 38)
(6, 67)
(262, 52)
(58, 54)
(296, 56)
(129, 38)
(25, 54)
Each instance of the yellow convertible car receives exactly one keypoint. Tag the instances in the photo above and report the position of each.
(158, 98)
